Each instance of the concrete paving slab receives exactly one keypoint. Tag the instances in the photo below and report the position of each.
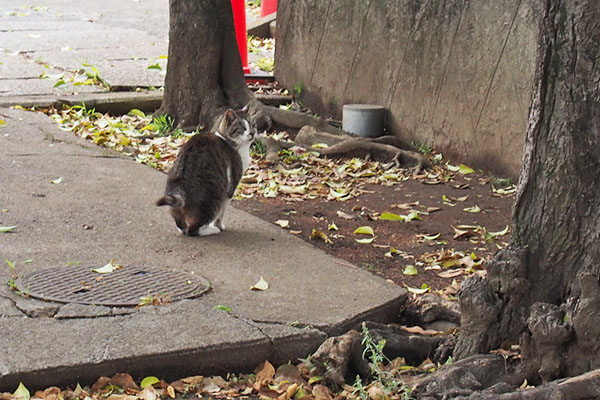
(74, 59)
(36, 86)
(114, 196)
(192, 338)
(19, 67)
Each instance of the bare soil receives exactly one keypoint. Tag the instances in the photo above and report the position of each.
(406, 237)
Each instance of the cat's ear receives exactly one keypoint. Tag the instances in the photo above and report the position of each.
(228, 119)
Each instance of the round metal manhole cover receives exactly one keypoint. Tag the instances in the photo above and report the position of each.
(127, 286)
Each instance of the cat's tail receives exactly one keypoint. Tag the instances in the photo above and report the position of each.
(171, 199)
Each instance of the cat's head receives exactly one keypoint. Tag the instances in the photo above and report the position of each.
(237, 127)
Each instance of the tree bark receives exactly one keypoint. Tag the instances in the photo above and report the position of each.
(204, 69)
(544, 286)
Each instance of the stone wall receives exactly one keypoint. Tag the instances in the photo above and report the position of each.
(455, 74)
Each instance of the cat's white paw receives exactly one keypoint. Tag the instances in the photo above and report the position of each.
(209, 230)
(220, 225)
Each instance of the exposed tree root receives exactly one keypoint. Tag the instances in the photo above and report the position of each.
(582, 387)
(468, 376)
(390, 150)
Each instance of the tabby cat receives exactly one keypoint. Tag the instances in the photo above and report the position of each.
(206, 173)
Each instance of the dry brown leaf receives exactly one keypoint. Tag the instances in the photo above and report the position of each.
(193, 380)
(321, 392)
(264, 373)
(100, 384)
(451, 273)
(124, 381)
(179, 386)
(343, 215)
(171, 391)
(149, 393)
(375, 392)
(420, 331)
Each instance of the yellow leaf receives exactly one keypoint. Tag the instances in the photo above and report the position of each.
(260, 285)
(364, 230)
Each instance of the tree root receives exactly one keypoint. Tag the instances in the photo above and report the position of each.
(389, 150)
(471, 375)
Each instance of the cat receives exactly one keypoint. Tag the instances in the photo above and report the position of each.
(205, 174)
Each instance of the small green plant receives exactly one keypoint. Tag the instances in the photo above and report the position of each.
(258, 149)
(298, 89)
(82, 110)
(253, 3)
(424, 148)
(266, 64)
(385, 380)
(289, 157)
(163, 124)
(252, 48)
(500, 183)
(93, 76)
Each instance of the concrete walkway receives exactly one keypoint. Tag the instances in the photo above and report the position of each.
(104, 209)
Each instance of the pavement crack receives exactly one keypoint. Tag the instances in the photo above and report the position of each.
(254, 324)
(14, 303)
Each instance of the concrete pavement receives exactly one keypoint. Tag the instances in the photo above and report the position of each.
(103, 209)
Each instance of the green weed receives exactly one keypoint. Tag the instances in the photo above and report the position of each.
(388, 383)
(163, 124)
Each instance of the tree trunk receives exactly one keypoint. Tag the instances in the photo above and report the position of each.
(204, 70)
(544, 287)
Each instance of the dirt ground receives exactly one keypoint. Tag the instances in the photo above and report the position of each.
(429, 229)
(460, 249)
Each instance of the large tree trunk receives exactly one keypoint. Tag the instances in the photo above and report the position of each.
(204, 70)
(544, 288)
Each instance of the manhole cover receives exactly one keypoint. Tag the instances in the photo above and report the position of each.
(125, 287)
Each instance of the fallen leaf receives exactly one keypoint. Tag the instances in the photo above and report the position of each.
(321, 392)
(410, 270)
(22, 392)
(473, 209)
(319, 235)
(260, 285)
(124, 381)
(193, 380)
(222, 308)
(148, 393)
(343, 215)
(364, 230)
(6, 229)
(333, 227)
(264, 373)
(57, 180)
(366, 240)
(463, 169)
(284, 223)
(2, 122)
(451, 273)
(149, 381)
(423, 289)
(431, 237)
(108, 268)
(493, 235)
(392, 252)
(387, 216)
(420, 331)
(171, 391)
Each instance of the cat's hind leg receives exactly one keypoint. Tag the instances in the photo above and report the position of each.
(219, 221)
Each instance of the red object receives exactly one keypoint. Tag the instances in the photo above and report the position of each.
(268, 7)
(239, 19)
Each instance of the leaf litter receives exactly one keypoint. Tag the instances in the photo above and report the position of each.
(305, 179)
